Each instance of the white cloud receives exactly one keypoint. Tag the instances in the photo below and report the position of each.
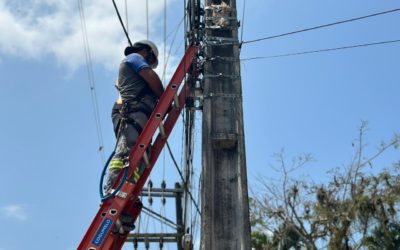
(14, 211)
(34, 29)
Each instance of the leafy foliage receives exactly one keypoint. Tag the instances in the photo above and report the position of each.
(355, 209)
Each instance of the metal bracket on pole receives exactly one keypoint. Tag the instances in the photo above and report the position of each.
(225, 95)
(220, 41)
(217, 27)
(221, 75)
(221, 58)
(217, 18)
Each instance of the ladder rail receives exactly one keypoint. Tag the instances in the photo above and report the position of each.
(161, 108)
(99, 235)
(156, 151)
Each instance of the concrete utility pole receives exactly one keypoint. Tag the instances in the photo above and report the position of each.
(225, 208)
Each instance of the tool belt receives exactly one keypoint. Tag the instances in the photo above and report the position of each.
(138, 105)
(133, 107)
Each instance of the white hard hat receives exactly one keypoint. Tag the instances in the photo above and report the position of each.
(153, 48)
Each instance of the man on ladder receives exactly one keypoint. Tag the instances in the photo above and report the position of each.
(139, 90)
(107, 231)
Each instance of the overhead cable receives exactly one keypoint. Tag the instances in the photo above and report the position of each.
(126, 16)
(185, 10)
(160, 217)
(242, 24)
(320, 50)
(165, 43)
(170, 50)
(176, 28)
(169, 149)
(183, 180)
(92, 84)
(320, 26)
(122, 23)
(147, 19)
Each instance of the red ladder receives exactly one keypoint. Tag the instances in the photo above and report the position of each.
(101, 233)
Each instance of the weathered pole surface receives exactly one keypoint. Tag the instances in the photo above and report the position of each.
(225, 207)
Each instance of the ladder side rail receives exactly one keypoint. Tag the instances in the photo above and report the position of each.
(117, 241)
(117, 203)
(100, 228)
(160, 142)
(160, 110)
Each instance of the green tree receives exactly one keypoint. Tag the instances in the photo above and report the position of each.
(353, 210)
(384, 237)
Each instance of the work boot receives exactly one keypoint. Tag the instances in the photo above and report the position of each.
(127, 222)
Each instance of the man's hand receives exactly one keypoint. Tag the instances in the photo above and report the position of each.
(153, 81)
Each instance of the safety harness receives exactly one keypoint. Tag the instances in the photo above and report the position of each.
(127, 108)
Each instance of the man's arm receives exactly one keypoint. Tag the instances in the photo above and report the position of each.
(152, 80)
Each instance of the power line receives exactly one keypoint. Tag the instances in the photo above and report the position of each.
(165, 41)
(169, 149)
(185, 10)
(126, 16)
(321, 26)
(321, 50)
(147, 19)
(176, 28)
(92, 84)
(242, 24)
(122, 23)
(166, 58)
(183, 179)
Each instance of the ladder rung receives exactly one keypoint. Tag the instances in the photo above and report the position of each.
(176, 101)
(146, 158)
(162, 131)
(118, 224)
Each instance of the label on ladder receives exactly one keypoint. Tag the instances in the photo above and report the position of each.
(102, 232)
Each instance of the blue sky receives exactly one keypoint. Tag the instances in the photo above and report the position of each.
(304, 104)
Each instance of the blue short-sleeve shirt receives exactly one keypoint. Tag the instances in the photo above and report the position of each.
(130, 84)
(136, 62)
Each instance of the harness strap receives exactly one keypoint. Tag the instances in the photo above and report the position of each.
(136, 125)
(135, 106)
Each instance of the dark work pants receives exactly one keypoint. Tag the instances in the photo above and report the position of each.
(127, 135)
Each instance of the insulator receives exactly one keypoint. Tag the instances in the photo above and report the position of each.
(161, 243)
(150, 184)
(187, 241)
(163, 184)
(135, 243)
(150, 200)
(147, 243)
(163, 200)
